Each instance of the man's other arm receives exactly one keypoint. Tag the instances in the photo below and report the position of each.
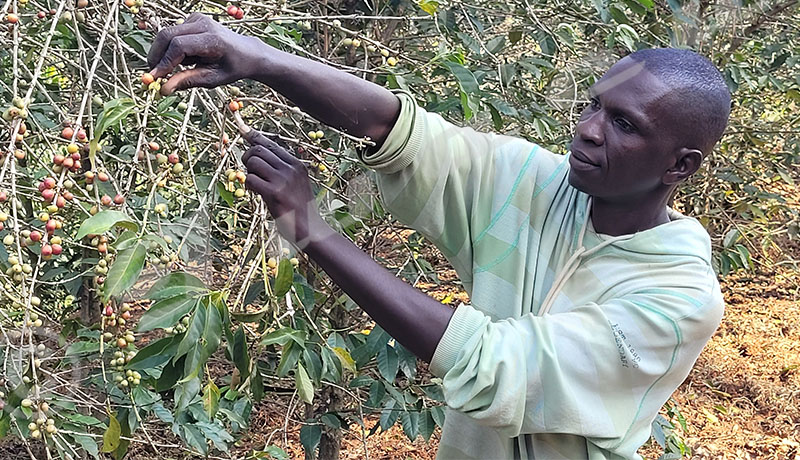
(334, 97)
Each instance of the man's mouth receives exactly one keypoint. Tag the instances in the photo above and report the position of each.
(581, 157)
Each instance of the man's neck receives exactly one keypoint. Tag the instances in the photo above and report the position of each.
(623, 218)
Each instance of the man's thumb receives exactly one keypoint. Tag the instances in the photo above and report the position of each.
(202, 77)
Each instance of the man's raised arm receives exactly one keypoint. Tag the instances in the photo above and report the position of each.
(336, 98)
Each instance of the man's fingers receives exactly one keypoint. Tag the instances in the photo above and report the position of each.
(262, 168)
(265, 154)
(258, 185)
(183, 46)
(165, 36)
(285, 156)
(200, 76)
(194, 17)
(256, 138)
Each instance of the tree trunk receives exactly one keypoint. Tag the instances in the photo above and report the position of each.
(331, 441)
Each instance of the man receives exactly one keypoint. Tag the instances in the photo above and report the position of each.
(591, 299)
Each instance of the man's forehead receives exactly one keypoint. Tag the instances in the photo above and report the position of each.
(629, 86)
(632, 78)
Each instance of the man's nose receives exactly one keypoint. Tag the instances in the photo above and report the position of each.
(590, 128)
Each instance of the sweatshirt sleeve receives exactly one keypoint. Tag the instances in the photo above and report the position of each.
(600, 371)
(455, 184)
(436, 178)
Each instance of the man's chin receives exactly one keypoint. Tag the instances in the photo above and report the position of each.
(576, 182)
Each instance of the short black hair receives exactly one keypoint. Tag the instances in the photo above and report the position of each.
(699, 92)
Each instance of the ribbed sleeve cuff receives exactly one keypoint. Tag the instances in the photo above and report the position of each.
(465, 322)
(403, 142)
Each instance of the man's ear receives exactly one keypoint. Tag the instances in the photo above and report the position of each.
(687, 162)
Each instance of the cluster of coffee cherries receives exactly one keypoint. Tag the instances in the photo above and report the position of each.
(151, 83)
(3, 214)
(235, 183)
(101, 244)
(54, 200)
(70, 132)
(42, 424)
(161, 209)
(355, 43)
(51, 245)
(352, 42)
(159, 256)
(133, 5)
(124, 340)
(111, 320)
(129, 378)
(316, 135)
(19, 304)
(171, 162)
(234, 11)
(43, 14)
(235, 105)
(17, 110)
(272, 262)
(180, 327)
(71, 161)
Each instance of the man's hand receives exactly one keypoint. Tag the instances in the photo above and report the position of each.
(282, 180)
(220, 55)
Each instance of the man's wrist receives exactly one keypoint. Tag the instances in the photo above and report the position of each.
(318, 233)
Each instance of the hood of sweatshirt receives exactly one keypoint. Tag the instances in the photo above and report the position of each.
(682, 236)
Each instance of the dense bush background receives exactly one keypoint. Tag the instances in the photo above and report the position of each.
(155, 216)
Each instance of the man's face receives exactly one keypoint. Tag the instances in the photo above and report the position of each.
(624, 140)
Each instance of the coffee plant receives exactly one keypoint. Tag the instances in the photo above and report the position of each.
(148, 301)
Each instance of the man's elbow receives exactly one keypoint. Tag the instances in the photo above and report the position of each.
(502, 412)
(506, 420)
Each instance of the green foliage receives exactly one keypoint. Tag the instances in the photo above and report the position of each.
(666, 435)
(125, 271)
(104, 221)
(229, 316)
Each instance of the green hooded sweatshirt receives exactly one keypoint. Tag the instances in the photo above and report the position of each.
(574, 339)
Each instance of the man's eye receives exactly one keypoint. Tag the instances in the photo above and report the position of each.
(624, 125)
